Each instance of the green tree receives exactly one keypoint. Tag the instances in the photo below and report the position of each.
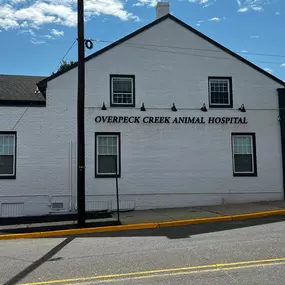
(64, 65)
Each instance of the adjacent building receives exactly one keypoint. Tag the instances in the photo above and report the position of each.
(182, 120)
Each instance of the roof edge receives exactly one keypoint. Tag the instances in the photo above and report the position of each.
(157, 21)
(114, 44)
(227, 50)
(22, 103)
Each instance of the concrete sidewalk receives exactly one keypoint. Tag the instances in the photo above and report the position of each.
(157, 216)
(173, 214)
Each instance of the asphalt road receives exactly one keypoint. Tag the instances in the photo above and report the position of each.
(245, 252)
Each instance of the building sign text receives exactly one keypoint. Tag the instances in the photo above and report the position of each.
(169, 120)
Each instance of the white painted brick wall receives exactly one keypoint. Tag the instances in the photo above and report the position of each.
(163, 165)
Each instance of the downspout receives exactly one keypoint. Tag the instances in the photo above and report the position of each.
(70, 176)
(281, 102)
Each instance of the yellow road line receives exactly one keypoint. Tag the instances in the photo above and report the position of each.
(180, 273)
(168, 271)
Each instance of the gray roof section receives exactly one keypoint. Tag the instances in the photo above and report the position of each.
(20, 88)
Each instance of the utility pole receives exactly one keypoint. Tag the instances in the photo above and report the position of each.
(80, 116)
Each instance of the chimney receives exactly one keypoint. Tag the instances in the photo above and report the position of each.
(162, 9)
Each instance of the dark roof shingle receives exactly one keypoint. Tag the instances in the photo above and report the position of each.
(20, 88)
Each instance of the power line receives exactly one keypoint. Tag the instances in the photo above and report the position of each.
(66, 53)
(21, 116)
(198, 55)
(189, 48)
(17, 124)
(196, 49)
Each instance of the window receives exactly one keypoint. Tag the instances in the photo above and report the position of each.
(220, 92)
(7, 155)
(244, 154)
(107, 149)
(122, 90)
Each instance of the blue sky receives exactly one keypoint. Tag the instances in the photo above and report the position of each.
(35, 35)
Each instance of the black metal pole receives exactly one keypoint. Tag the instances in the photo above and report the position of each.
(80, 116)
(117, 190)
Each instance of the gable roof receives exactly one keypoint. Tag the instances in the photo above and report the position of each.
(42, 85)
(20, 90)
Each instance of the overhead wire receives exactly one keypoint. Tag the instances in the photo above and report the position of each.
(189, 48)
(146, 47)
(69, 49)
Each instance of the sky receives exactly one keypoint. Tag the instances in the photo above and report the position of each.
(35, 35)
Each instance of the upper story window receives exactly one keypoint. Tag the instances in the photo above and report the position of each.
(8, 155)
(122, 90)
(244, 154)
(220, 92)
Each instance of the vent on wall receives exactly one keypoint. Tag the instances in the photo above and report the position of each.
(57, 206)
(12, 210)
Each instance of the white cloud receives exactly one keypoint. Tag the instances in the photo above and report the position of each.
(37, 42)
(252, 5)
(254, 37)
(243, 10)
(277, 13)
(148, 3)
(7, 20)
(269, 70)
(199, 23)
(205, 3)
(243, 5)
(17, 1)
(282, 65)
(215, 19)
(244, 51)
(57, 32)
(36, 13)
(257, 8)
(48, 37)
(30, 31)
(152, 3)
(138, 4)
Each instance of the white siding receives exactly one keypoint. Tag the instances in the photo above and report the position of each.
(163, 165)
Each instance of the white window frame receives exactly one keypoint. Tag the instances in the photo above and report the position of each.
(132, 79)
(106, 135)
(229, 104)
(12, 134)
(253, 154)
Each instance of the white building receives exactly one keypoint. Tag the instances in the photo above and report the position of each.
(216, 155)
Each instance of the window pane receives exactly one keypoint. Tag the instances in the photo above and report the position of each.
(243, 163)
(219, 91)
(102, 141)
(114, 141)
(6, 164)
(122, 85)
(109, 150)
(106, 164)
(242, 144)
(11, 150)
(110, 140)
(100, 150)
(6, 144)
(122, 90)
(6, 140)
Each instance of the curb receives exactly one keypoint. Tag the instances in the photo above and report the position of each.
(58, 233)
